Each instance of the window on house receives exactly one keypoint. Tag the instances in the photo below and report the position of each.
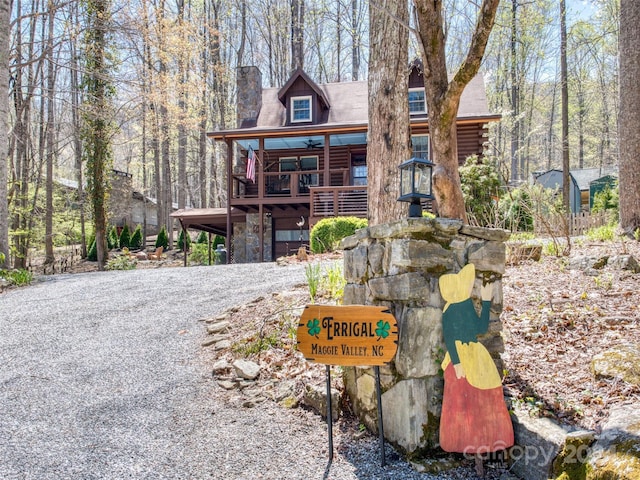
(306, 164)
(417, 103)
(301, 109)
(292, 235)
(420, 146)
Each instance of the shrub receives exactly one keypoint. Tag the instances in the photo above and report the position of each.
(327, 233)
(163, 239)
(135, 242)
(607, 200)
(125, 237)
(92, 253)
(480, 188)
(218, 240)
(199, 254)
(202, 238)
(605, 233)
(516, 210)
(181, 240)
(17, 277)
(122, 262)
(112, 238)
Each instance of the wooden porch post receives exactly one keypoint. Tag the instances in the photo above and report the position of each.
(230, 159)
(327, 172)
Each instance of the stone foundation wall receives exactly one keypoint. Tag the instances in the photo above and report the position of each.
(246, 239)
(398, 265)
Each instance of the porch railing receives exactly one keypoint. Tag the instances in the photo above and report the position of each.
(338, 202)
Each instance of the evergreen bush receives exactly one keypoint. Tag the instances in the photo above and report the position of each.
(163, 239)
(607, 200)
(203, 238)
(327, 233)
(181, 240)
(135, 242)
(92, 253)
(112, 238)
(125, 237)
(199, 255)
(480, 188)
(218, 240)
(516, 210)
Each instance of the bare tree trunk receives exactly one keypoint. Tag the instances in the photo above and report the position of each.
(516, 173)
(50, 138)
(566, 199)
(182, 109)
(443, 96)
(355, 39)
(629, 119)
(389, 136)
(297, 34)
(5, 18)
(77, 141)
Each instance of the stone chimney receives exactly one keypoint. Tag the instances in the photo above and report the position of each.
(249, 84)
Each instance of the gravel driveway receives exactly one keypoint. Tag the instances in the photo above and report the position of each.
(102, 378)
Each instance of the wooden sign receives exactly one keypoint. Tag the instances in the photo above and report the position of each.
(349, 335)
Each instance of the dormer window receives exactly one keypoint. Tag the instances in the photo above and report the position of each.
(417, 103)
(301, 109)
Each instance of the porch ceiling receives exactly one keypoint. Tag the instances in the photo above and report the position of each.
(212, 220)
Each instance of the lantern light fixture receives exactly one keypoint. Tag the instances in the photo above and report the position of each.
(415, 183)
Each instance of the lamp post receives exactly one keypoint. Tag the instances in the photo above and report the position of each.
(415, 183)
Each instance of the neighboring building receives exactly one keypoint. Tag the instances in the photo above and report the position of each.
(126, 206)
(583, 184)
(309, 143)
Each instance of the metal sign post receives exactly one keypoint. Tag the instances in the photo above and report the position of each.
(352, 335)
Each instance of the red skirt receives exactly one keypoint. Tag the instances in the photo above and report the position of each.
(473, 421)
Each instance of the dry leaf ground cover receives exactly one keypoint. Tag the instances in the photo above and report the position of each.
(556, 319)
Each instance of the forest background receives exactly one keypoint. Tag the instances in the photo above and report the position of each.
(173, 68)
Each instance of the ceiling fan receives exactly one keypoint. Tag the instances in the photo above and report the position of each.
(311, 144)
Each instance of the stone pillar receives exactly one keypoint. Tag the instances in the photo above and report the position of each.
(252, 238)
(398, 265)
(121, 199)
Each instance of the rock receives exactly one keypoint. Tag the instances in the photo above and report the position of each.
(616, 454)
(571, 461)
(315, 396)
(624, 262)
(538, 442)
(520, 252)
(407, 286)
(208, 342)
(227, 384)
(587, 263)
(222, 345)
(218, 327)
(141, 256)
(619, 362)
(246, 369)
(220, 366)
(284, 389)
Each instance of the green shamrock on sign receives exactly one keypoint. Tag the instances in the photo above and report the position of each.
(383, 329)
(314, 327)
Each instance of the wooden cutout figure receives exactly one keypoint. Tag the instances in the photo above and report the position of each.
(474, 417)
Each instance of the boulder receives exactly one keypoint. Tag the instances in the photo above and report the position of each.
(315, 396)
(538, 443)
(624, 262)
(616, 454)
(619, 362)
(246, 369)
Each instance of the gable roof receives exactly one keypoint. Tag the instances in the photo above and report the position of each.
(299, 73)
(349, 103)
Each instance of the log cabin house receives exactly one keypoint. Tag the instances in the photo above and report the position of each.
(308, 146)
